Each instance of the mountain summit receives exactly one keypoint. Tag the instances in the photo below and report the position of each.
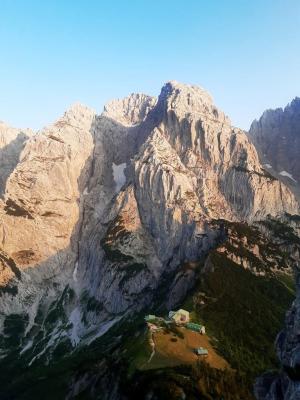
(277, 137)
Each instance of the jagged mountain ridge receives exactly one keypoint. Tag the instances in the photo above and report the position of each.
(101, 209)
(276, 136)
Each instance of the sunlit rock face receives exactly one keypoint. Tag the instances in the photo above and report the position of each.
(217, 160)
(277, 137)
(131, 110)
(40, 207)
(100, 211)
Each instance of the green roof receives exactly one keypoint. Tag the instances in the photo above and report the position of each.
(193, 325)
(150, 317)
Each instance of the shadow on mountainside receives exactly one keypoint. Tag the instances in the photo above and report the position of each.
(9, 158)
(52, 288)
(52, 284)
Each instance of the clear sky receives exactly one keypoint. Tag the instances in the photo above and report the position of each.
(53, 53)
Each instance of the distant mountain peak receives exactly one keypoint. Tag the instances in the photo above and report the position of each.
(294, 105)
(130, 110)
(191, 97)
(276, 135)
(78, 110)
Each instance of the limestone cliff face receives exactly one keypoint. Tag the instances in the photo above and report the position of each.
(131, 110)
(212, 158)
(100, 211)
(277, 137)
(11, 144)
(40, 207)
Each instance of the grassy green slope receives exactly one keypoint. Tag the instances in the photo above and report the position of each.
(244, 312)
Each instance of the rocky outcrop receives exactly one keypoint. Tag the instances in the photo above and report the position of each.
(284, 385)
(40, 207)
(277, 137)
(12, 141)
(131, 110)
(39, 216)
(101, 211)
(267, 247)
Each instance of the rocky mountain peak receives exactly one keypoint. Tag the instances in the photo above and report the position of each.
(175, 87)
(76, 114)
(218, 154)
(131, 110)
(276, 136)
(186, 100)
(8, 132)
(294, 106)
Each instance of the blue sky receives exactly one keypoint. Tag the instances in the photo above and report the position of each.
(246, 53)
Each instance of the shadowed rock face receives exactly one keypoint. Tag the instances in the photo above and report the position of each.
(87, 247)
(277, 137)
(285, 385)
(12, 141)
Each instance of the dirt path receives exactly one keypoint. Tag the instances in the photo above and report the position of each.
(152, 344)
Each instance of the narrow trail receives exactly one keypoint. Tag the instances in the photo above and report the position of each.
(152, 344)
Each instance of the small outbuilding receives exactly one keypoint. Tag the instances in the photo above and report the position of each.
(196, 327)
(201, 351)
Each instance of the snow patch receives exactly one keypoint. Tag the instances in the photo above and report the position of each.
(75, 319)
(27, 347)
(284, 173)
(104, 328)
(56, 336)
(119, 176)
(267, 166)
(75, 272)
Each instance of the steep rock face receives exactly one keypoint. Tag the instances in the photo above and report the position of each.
(191, 166)
(101, 211)
(38, 218)
(41, 195)
(265, 248)
(110, 200)
(277, 137)
(230, 181)
(286, 384)
(165, 190)
(131, 110)
(11, 144)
